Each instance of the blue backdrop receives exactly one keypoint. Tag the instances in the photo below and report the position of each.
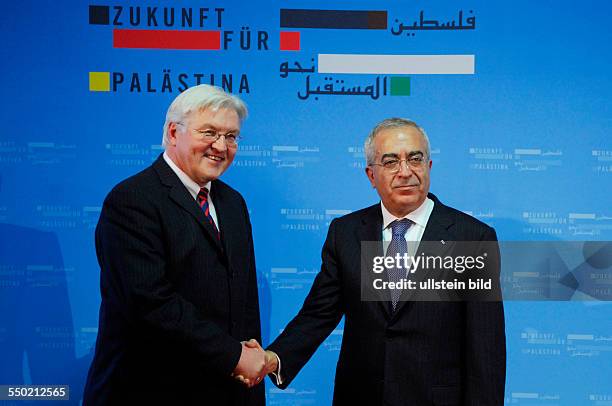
(519, 121)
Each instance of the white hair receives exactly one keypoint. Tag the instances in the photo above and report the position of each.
(393, 122)
(201, 97)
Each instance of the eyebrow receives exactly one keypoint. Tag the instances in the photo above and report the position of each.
(207, 127)
(396, 156)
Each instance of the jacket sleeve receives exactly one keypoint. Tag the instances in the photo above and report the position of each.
(131, 252)
(320, 314)
(252, 319)
(486, 340)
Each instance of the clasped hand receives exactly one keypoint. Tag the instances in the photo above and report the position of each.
(254, 363)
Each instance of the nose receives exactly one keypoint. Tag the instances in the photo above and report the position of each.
(220, 145)
(404, 168)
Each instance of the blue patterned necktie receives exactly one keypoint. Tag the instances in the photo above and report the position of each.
(398, 245)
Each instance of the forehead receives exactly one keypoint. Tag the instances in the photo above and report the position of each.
(398, 140)
(223, 118)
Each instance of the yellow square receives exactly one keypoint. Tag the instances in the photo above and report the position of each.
(99, 81)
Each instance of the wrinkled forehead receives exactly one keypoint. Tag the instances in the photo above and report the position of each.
(400, 141)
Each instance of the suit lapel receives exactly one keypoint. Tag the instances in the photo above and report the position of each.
(225, 217)
(181, 196)
(371, 232)
(437, 228)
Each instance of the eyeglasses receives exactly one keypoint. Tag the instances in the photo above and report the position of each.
(231, 139)
(393, 165)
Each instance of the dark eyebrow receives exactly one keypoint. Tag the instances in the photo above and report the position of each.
(390, 155)
(396, 156)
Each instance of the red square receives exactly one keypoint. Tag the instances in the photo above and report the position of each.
(289, 41)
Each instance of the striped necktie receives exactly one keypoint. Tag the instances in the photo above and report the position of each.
(202, 200)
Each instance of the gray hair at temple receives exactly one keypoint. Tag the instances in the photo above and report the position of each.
(201, 97)
(394, 122)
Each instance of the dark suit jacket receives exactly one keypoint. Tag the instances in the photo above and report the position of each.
(176, 301)
(424, 353)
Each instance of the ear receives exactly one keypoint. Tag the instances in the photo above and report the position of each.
(172, 129)
(430, 163)
(370, 174)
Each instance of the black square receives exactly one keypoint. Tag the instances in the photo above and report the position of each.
(99, 15)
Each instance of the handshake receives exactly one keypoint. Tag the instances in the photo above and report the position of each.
(254, 363)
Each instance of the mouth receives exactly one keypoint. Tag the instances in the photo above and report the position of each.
(214, 158)
(406, 187)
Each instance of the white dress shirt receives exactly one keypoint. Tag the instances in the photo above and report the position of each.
(193, 187)
(414, 234)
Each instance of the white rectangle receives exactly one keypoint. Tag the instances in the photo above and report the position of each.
(284, 270)
(276, 391)
(250, 153)
(582, 216)
(580, 337)
(526, 274)
(89, 329)
(94, 209)
(337, 212)
(41, 144)
(300, 216)
(543, 221)
(489, 156)
(285, 148)
(39, 267)
(524, 395)
(524, 151)
(397, 64)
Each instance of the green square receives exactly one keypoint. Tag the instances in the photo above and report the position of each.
(400, 86)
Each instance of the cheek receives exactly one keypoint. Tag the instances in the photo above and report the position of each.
(383, 185)
(425, 181)
(198, 150)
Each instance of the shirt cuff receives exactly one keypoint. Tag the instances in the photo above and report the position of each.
(277, 374)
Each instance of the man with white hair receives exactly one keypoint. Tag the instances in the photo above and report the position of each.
(178, 280)
(397, 351)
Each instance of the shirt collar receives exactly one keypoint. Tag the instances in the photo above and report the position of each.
(420, 216)
(189, 183)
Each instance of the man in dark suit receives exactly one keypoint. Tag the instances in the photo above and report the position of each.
(398, 352)
(178, 280)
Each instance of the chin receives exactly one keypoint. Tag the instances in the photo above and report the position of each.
(211, 173)
(212, 177)
(407, 197)
(412, 201)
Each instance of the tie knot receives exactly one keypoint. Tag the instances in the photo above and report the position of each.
(399, 227)
(203, 193)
